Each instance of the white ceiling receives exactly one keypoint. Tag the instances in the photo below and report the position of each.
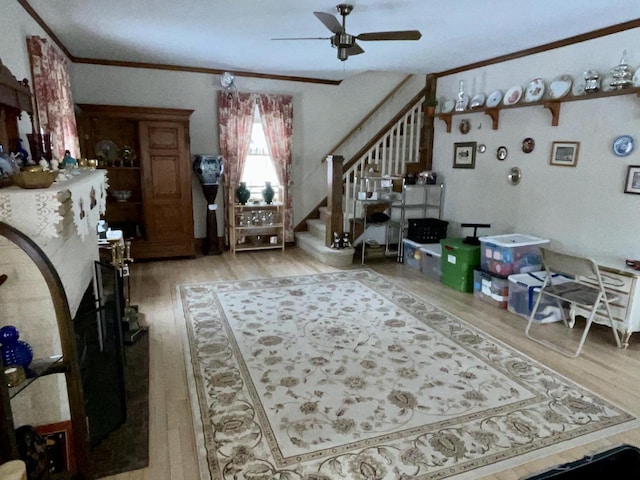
(236, 35)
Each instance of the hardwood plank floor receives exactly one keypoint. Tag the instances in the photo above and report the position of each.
(606, 370)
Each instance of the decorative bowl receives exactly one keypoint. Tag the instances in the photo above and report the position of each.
(34, 178)
(121, 195)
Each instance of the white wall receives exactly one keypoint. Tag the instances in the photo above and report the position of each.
(323, 114)
(16, 25)
(582, 209)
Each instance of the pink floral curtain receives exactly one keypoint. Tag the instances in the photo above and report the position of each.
(52, 90)
(276, 112)
(235, 119)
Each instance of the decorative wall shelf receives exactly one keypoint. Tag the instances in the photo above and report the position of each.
(552, 105)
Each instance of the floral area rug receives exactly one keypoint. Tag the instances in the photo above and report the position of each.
(347, 376)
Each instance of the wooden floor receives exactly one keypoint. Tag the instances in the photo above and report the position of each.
(606, 370)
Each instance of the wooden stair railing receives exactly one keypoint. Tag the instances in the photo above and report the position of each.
(313, 213)
(395, 145)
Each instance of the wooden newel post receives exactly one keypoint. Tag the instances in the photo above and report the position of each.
(211, 245)
(334, 198)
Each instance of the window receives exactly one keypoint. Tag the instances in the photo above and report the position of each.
(259, 167)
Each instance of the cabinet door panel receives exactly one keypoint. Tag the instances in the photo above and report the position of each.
(165, 177)
(166, 172)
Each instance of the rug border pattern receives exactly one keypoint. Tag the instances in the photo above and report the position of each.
(367, 277)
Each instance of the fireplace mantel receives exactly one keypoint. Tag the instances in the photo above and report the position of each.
(62, 220)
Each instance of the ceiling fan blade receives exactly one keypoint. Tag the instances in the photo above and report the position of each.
(355, 50)
(398, 35)
(329, 21)
(302, 38)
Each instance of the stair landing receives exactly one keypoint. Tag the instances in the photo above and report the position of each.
(312, 242)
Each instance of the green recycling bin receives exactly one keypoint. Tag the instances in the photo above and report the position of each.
(458, 261)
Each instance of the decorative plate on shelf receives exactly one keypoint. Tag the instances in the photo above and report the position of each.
(560, 86)
(636, 78)
(494, 98)
(107, 150)
(623, 145)
(478, 100)
(535, 90)
(578, 89)
(513, 95)
(448, 106)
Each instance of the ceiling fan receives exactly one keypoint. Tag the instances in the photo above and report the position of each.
(346, 43)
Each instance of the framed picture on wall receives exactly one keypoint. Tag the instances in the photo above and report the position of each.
(633, 180)
(464, 155)
(564, 154)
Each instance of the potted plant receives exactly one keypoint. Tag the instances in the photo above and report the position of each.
(432, 103)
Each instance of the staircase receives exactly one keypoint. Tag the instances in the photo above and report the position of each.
(395, 145)
(312, 242)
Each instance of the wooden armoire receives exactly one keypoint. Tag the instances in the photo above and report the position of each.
(146, 154)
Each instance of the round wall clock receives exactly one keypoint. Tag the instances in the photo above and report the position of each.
(502, 153)
(528, 144)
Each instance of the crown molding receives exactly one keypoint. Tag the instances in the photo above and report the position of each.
(602, 32)
(160, 66)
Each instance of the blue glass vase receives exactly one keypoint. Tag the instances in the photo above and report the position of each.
(242, 193)
(268, 193)
(14, 351)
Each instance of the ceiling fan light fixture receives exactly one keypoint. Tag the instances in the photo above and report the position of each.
(346, 43)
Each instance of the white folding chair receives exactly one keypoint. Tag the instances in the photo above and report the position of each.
(591, 298)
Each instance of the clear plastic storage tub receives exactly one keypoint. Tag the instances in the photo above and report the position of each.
(523, 293)
(432, 261)
(504, 255)
(491, 289)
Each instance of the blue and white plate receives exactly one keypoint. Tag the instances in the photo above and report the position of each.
(623, 145)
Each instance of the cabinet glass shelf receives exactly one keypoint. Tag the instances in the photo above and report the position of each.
(40, 368)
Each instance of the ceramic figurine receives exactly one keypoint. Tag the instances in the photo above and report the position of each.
(68, 161)
(13, 350)
(54, 164)
(21, 154)
(346, 243)
(336, 241)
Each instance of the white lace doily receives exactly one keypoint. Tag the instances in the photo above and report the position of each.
(38, 212)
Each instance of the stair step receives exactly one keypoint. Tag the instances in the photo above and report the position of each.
(318, 250)
(317, 228)
(324, 213)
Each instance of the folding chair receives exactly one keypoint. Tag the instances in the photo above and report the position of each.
(591, 298)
